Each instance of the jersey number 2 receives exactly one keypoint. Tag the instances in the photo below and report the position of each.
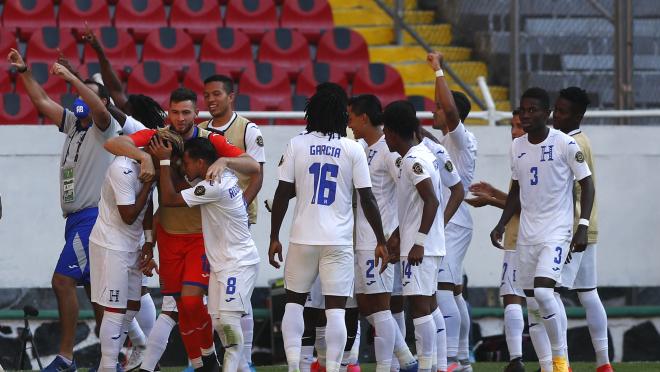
(324, 187)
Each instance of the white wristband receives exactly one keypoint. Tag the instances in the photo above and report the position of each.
(420, 239)
(439, 73)
(165, 162)
(583, 221)
(148, 236)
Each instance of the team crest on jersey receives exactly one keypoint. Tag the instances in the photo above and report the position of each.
(398, 162)
(579, 157)
(417, 168)
(281, 161)
(200, 190)
(260, 141)
(449, 166)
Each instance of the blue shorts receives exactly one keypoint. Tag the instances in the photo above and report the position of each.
(74, 259)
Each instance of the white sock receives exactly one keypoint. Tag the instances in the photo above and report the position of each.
(563, 321)
(293, 327)
(449, 309)
(440, 339)
(425, 333)
(464, 335)
(111, 333)
(146, 317)
(306, 358)
(551, 315)
(135, 334)
(157, 341)
(335, 338)
(345, 361)
(597, 323)
(513, 329)
(539, 335)
(230, 333)
(403, 355)
(320, 345)
(247, 325)
(384, 341)
(355, 350)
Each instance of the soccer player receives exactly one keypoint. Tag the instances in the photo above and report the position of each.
(421, 227)
(453, 109)
(543, 163)
(320, 168)
(179, 229)
(115, 254)
(373, 288)
(231, 252)
(484, 194)
(580, 273)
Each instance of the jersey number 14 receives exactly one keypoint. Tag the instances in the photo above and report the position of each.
(325, 185)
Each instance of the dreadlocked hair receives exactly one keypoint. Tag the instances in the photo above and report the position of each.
(171, 137)
(325, 111)
(147, 111)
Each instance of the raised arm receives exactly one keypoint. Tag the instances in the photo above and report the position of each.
(443, 97)
(110, 79)
(510, 207)
(124, 146)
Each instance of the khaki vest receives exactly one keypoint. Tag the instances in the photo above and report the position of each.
(235, 134)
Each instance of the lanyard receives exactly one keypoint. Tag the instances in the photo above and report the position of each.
(80, 141)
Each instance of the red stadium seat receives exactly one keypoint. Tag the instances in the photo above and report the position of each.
(379, 79)
(268, 84)
(343, 48)
(17, 109)
(228, 47)
(74, 13)
(197, 73)
(311, 17)
(285, 48)
(317, 73)
(117, 45)
(423, 103)
(28, 16)
(152, 79)
(53, 85)
(169, 46)
(5, 81)
(244, 102)
(44, 44)
(197, 17)
(140, 16)
(7, 42)
(254, 17)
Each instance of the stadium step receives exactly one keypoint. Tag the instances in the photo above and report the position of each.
(498, 93)
(406, 53)
(353, 17)
(437, 35)
(419, 72)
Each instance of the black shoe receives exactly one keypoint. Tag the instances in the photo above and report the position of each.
(211, 363)
(516, 365)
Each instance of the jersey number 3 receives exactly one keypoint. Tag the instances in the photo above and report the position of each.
(535, 176)
(325, 185)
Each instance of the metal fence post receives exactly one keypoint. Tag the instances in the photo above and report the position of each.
(514, 66)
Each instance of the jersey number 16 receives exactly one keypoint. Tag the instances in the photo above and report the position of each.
(325, 185)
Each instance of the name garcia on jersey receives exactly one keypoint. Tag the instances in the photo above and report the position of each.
(326, 150)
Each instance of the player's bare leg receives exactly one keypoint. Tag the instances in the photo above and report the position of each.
(67, 305)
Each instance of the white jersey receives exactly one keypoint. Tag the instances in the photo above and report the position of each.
(131, 125)
(121, 187)
(254, 145)
(416, 166)
(448, 172)
(462, 147)
(545, 173)
(227, 236)
(324, 169)
(384, 173)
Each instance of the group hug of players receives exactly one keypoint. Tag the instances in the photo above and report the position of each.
(406, 240)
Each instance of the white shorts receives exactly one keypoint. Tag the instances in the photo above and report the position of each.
(169, 304)
(316, 300)
(368, 279)
(397, 288)
(145, 280)
(231, 289)
(115, 276)
(332, 263)
(509, 285)
(580, 273)
(541, 261)
(457, 242)
(420, 280)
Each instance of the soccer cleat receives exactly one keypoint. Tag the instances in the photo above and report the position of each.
(515, 365)
(559, 364)
(135, 360)
(316, 367)
(451, 367)
(60, 365)
(411, 367)
(605, 368)
(353, 368)
(118, 368)
(252, 367)
(464, 367)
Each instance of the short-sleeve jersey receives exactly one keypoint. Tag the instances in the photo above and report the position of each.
(384, 173)
(324, 169)
(227, 236)
(545, 173)
(585, 145)
(448, 173)
(121, 187)
(83, 162)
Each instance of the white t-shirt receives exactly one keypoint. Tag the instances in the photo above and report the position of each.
(324, 168)
(121, 187)
(448, 172)
(416, 166)
(545, 173)
(131, 125)
(384, 173)
(462, 147)
(253, 139)
(227, 236)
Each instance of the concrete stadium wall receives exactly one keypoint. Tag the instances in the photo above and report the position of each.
(627, 158)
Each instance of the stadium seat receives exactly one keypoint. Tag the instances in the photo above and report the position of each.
(17, 109)
(118, 46)
(28, 16)
(423, 103)
(317, 73)
(310, 17)
(285, 48)
(74, 13)
(343, 48)
(244, 102)
(268, 84)
(53, 85)
(7, 42)
(5, 81)
(152, 79)
(169, 46)
(254, 17)
(228, 47)
(380, 79)
(140, 16)
(44, 44)
(196, 17)
(197, 73)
